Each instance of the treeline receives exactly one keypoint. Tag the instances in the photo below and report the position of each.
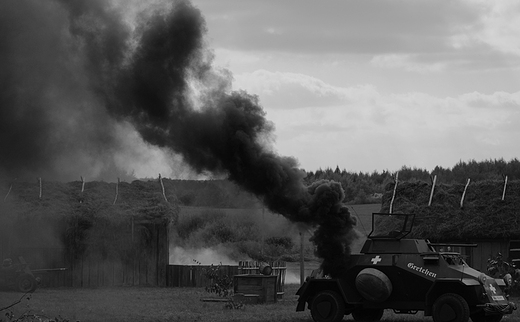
(369, 187)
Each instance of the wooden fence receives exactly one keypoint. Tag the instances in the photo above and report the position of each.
(193, 275)
(56, 269)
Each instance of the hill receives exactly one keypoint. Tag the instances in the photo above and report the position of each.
(484, 215)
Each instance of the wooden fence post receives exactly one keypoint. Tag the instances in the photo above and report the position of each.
(40, 180)
(162, 186)
(504, 191)
(464, 194)
(433, 188)
(82, 189)
(9, 191)
(393, 195)
(117, 191)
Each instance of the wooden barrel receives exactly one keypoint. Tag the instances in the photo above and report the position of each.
(265, 269)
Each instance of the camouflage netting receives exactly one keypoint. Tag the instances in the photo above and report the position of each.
(84, 223)
(484, 214)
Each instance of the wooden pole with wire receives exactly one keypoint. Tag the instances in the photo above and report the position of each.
(40, 181)
(162, 186)
(433, 188)
(82, 189)
(393, 195)
(504, 191)
(464, 194)
(117, 191)
(9, 191)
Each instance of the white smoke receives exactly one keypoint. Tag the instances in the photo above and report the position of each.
(205, 256)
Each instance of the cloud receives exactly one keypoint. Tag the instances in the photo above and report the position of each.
(295, 90)
(407, 62)
(355, 125)
(333, 26)
(497, 26)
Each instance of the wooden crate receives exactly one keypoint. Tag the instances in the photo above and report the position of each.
(279, 268)
(260, 287)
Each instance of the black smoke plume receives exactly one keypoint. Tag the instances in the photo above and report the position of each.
(72, 71)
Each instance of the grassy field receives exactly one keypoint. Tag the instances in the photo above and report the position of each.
(163, 304)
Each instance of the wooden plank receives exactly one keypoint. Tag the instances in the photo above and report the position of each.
(178, 275)
(214, 299)
(106, 273)
(118, 277)
(135, 271)
(186, 276)
(124, 273)
(76, 271)
(174, 275)
(99, 273)
(151, 254)
(169, 276)
(86, 272)
(198, 276)
(162, 254)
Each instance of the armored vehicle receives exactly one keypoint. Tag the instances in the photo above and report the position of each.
(407, 276)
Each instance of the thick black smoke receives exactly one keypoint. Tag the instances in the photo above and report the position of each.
(51, 124)
(156, 74)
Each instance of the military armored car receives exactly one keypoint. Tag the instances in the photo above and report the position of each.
(406, 276)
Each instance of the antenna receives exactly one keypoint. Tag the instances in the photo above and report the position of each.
(359, 219)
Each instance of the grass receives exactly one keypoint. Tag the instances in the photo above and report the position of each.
(164, 304)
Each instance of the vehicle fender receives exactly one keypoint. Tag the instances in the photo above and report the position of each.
(462, 286)
(313, 286)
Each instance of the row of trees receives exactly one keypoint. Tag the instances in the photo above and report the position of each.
(368, 187)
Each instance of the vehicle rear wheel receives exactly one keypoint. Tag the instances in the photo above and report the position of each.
(482, 317)
(327, 306)
(367, 315)
(26, 283)
(450, 307)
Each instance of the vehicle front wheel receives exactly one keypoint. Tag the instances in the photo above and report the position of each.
(26, 283)
(482, 317)
(367, 315)
(450, 307)
(327, 306)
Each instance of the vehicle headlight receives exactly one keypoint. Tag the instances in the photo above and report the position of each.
(482, 278)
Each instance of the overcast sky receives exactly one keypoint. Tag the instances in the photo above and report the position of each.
(375, 85)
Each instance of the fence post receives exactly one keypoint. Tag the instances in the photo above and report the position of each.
(162, 186)
(395, 188)
(504, 191)
(433, 188)
(82, 189)
(9, 191)
(117, 191)
(40, 181)
(464, 194)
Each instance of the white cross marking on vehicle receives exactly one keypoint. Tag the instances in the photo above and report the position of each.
(493, 289)
(376, 260)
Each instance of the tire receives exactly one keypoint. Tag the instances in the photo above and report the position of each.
(450, 307)
(482, 317)
(327, 306)
(367, 315)
(26, 283)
